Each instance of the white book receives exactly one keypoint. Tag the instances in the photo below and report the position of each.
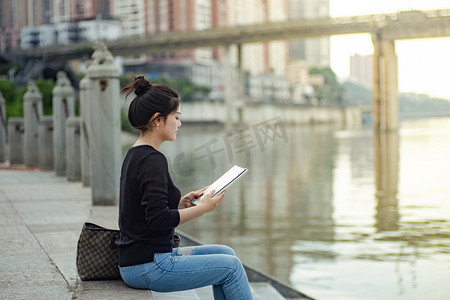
(224, 182)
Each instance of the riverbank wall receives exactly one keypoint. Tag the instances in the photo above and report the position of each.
(251, 113)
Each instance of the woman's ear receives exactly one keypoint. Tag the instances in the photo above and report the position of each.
(154, 120)
(156, 117)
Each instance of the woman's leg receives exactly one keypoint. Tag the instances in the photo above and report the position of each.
(193, 267)
(136, 276)
(205, 250)
(182, 272)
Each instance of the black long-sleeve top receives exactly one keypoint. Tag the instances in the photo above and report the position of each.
(148, 206)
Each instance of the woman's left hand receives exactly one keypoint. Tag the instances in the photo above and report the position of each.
(186, 201)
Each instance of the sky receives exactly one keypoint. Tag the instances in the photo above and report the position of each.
(423, 64)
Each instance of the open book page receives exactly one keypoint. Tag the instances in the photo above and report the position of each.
(225, 181)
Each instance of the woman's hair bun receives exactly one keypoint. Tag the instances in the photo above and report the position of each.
(141, 85)
(150, 99)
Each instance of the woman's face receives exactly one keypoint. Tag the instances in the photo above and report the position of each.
(169, 127)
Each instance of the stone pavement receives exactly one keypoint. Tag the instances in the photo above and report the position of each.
(41, 216)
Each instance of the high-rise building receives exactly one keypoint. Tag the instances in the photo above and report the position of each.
(361, 69)
(315, 51)
(30, 14)
(151, 17)
(257, 58)
(204, 65)
(15, 14)
(132, 15)
(264, 64)
(89, 9)
(219, 18)
(76, 10)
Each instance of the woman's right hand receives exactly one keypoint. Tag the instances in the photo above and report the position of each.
(210, 203)
(207, 204)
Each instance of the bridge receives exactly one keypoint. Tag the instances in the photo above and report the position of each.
(384, 29)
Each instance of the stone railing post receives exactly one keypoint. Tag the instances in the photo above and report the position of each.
(45, 142)
(104, 140)
(15, 137)
(85, 91)
(2, 128)
(63, 107)
(73, 149)
(32, 112)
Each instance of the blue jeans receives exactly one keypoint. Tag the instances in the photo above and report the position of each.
(190, 268)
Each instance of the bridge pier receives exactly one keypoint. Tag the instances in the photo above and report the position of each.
(229, 103)
(386, 161)
(385, 84)
(241, 84)
(234, 95)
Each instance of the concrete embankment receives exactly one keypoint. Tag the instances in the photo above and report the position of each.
(259, 112)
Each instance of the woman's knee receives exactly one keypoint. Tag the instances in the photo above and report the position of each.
(226, 250)
(233, 262)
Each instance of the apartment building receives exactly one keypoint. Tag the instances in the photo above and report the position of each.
(78, 20)
(361, 69)
(65, 33)
(75, 10)
(153, 17)
(41, 36)
(315, 51)
(15, 14)
(131, 14)
(38, 23)
(306, 53)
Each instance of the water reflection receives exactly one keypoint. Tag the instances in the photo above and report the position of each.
(285, 197)
(340, 214)
(386, 158)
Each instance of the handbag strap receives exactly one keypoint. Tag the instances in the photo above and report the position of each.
(92, 226)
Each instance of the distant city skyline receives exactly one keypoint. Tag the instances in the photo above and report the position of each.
(423, 64)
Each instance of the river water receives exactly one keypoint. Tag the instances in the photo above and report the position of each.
(336, 213)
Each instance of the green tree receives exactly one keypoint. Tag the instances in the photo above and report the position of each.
(13, 98)
(331, 91)
(4, 68)
(356, 94)
(46, 87)
(187, 90)
(8, 90)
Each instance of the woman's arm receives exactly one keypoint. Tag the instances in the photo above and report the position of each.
(206, 205)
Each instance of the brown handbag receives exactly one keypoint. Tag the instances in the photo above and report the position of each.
(97, 254)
